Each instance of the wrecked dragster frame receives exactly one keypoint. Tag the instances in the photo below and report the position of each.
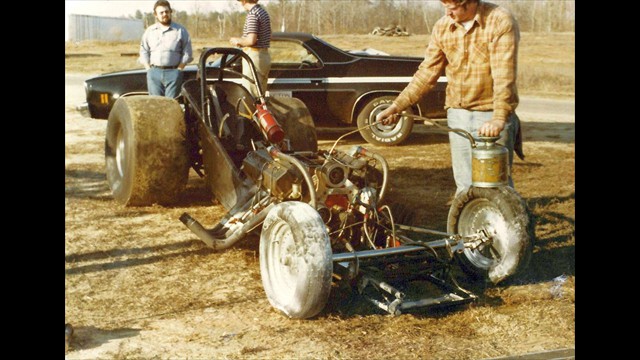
(321, 214)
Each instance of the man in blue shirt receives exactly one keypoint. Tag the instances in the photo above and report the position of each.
(165, 49)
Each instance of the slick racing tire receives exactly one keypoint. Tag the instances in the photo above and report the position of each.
(503, 214)
(295, 260)
(383, 135)
(146, 151)
(296, 121)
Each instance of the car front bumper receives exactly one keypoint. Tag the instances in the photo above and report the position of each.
(83, 108)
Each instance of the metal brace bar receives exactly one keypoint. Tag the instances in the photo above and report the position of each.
(446, 298)
(452, 294)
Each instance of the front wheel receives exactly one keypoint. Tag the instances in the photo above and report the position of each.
(383, 135)
(503, 214)
(295, 260)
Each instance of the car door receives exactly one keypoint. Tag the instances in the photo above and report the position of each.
(297, 72)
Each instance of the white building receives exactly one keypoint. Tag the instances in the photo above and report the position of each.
(89, 27)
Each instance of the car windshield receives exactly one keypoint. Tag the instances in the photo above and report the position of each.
(284, 55)
(291, 55)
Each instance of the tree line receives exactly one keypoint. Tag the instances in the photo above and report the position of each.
(322, 17)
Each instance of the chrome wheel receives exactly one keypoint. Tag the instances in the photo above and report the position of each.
(120, 152)
(504, 217)
(481, 214)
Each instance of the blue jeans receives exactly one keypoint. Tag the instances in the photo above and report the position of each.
(164, 82)
(461, 146)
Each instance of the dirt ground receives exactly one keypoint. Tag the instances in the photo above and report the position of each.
(139, 284)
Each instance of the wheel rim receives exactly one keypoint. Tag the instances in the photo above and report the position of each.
(283, 268)
(382, 130)
(120, 152)
(482, 214)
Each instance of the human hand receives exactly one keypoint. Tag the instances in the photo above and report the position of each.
(388, 115)
(492, 128)
(234, 41)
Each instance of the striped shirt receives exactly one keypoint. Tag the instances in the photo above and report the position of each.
(480, 64)
(258, 22)
(165, 45)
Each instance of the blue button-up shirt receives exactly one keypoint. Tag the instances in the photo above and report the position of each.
(165, 45)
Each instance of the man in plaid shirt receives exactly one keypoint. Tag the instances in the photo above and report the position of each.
(476, 44)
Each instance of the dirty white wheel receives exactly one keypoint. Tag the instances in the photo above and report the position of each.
(503, 214)
(295, 260)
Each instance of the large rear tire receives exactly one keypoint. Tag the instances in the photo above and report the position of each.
(296, 121)
(503, 214)
(383, 135)
(146, 154)
(295, 260)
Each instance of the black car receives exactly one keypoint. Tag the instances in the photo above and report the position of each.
(340, 88)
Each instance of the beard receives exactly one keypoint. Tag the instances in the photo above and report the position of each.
(166, 22)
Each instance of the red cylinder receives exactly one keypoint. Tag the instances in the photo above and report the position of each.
(274, 132)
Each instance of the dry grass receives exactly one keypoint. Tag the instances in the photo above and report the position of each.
(138, 284)
(546, 61)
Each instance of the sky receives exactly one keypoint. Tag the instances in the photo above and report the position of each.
(118, 8)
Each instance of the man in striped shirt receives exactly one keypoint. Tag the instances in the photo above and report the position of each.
(476, 43)
(255, 41)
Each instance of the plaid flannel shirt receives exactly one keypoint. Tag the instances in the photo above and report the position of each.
(480, 64)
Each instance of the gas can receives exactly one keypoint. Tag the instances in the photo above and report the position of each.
(490, 163)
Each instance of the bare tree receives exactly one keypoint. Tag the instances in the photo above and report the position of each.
(361, 16)
(549, 14)
(221, 25)
(430, 14)
(316, 12)
(283, 13)
(334, 12)
(196, 17)
(300, 18)
(532, 17)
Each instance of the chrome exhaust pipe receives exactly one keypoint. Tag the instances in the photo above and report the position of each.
(213, 240)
